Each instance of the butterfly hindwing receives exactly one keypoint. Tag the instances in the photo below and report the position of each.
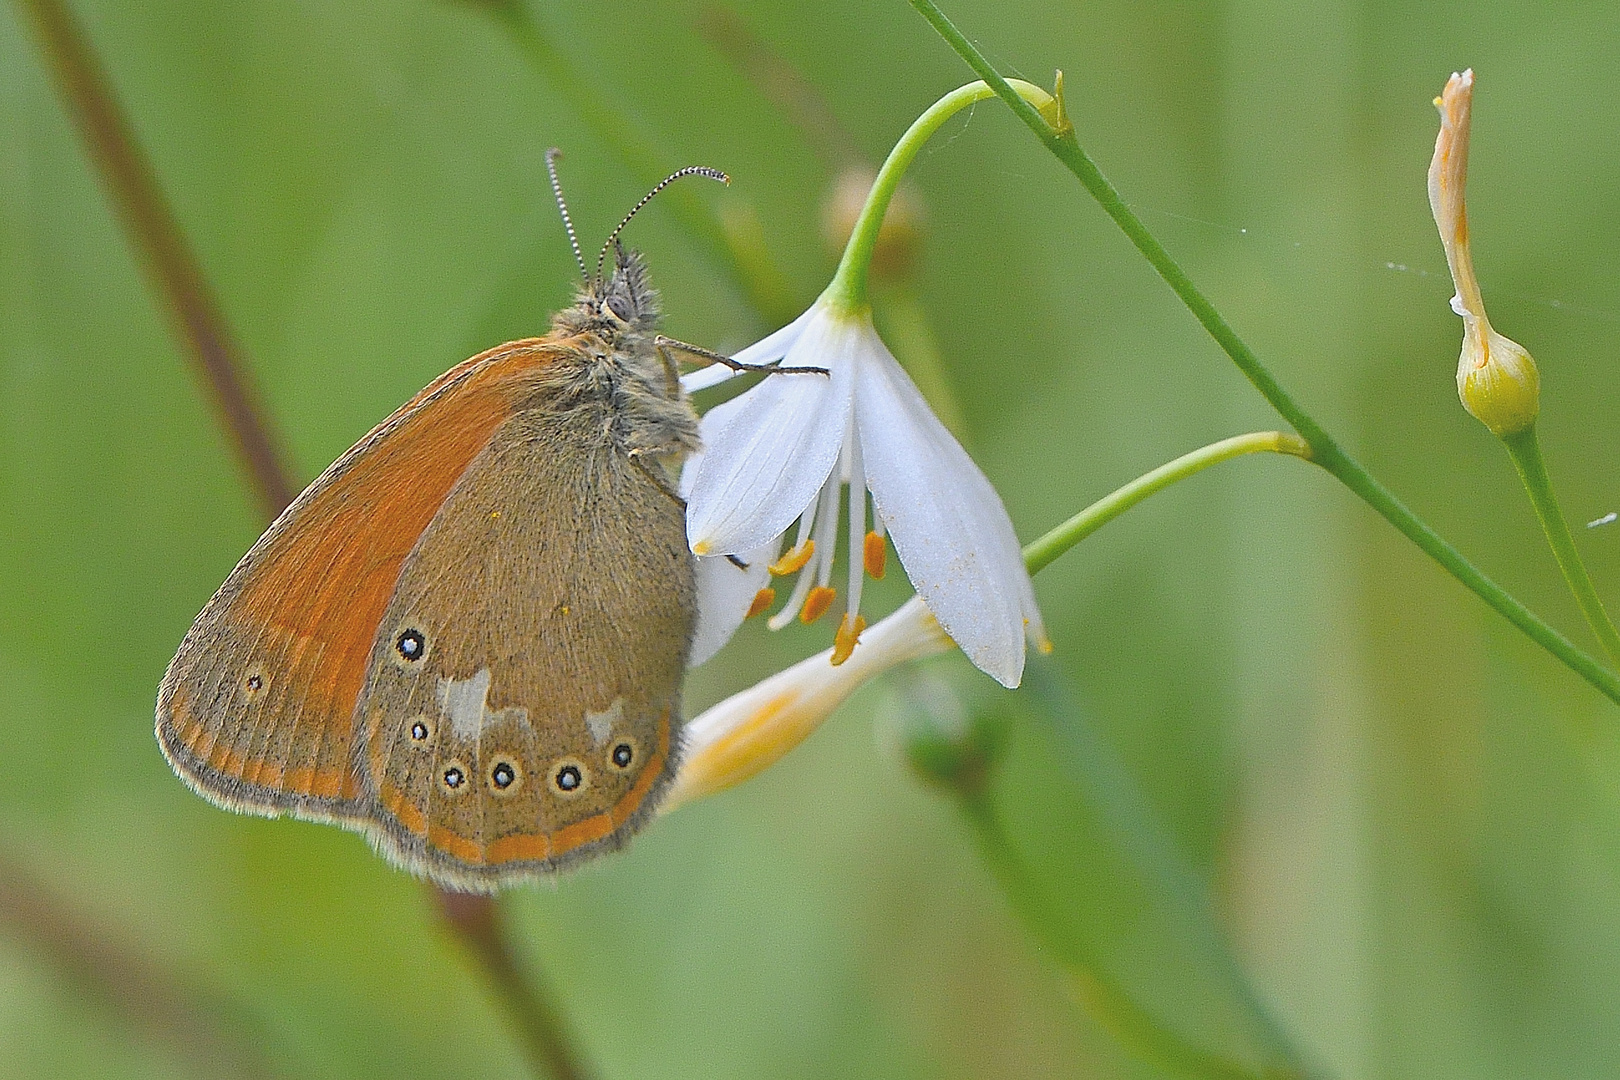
(521, 703)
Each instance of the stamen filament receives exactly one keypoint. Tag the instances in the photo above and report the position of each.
(857, 524)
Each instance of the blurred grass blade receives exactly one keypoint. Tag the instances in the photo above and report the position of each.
(207, 1032)
(647, 164)
(163, 249)
(1097, 881)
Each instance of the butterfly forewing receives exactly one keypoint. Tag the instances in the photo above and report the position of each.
(256, 710)
(522, 701)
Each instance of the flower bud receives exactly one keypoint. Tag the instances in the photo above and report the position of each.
(945, 739)
(1497, 381)
(1496, 378)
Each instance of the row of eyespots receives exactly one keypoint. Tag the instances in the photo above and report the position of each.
(621, 757)
(568, 777)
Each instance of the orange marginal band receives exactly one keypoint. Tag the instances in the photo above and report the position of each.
(327, 582)
(527, 847)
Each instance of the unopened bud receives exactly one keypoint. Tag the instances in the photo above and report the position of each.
(1496, 378)
(1497, 381)
(943, 738)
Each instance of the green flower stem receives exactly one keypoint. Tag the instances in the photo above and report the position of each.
(1525, 449)
(848, 287)
(1325, 451)
(1102, 997)
(1039, 554)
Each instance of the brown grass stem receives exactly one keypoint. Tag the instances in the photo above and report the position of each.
(161, 245)
(200, 322)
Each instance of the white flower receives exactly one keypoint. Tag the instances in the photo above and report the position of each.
(785, 450)
(751, 730)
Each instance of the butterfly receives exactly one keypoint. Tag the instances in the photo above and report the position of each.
(466, 639)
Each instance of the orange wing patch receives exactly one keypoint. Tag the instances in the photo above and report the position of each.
(310, 594)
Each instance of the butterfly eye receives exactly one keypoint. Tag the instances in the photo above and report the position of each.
(623, 754)
(569, 778)
(411, 645)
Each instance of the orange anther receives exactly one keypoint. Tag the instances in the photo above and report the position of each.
(874, 552)
(762, 602)
(849, 632)
(817, 603)
(794, 560)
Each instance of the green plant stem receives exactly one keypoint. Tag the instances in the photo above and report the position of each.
(1040, 553)
(1525, 449)
(848, 286)
(1325, 451)
(1103, 998)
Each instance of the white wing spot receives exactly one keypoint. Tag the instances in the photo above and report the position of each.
(602, 723)
(464, 703)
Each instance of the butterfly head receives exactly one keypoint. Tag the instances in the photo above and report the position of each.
(623, 301)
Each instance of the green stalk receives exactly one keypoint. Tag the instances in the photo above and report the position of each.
(1040, 553)
(1092, 983)
(1525, 449)
(1325, 451)
(848, 287)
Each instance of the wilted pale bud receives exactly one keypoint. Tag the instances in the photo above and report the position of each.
(900, 235)
(1496, 378)
(751, 730)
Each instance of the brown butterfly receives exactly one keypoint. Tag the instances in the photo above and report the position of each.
(467, 637)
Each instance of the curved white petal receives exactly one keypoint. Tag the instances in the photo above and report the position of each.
(950, 529)
(725, 591)
(767, 349)
(768, 451)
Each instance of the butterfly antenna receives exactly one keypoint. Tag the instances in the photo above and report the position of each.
(568, 223)
(690, 170)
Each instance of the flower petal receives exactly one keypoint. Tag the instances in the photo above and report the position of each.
(751, 730)
(770, 348)
(768, 451)
(724, 593)
(949, 526)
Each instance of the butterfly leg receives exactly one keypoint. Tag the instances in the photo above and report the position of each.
(664, 344)
(657, 477)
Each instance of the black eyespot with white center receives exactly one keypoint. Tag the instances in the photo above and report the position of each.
(503, 775)
(411, 645)
(420, 730)
(623, 754)
(452, 777)
(255, 683)
(568, 779)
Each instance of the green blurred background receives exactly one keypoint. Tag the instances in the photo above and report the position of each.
(1407, 815)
